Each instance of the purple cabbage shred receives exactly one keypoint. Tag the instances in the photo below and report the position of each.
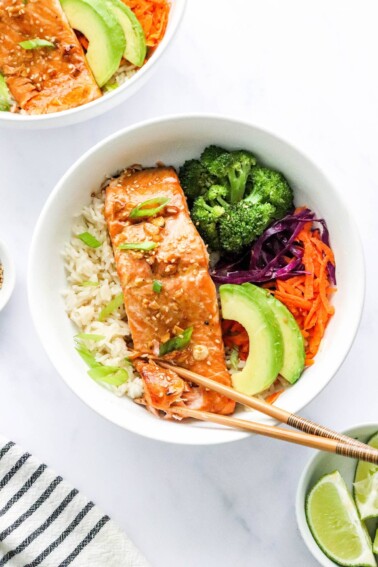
(267, 259)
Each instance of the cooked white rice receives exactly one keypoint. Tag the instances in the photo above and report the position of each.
(123, 74)
(84, 303)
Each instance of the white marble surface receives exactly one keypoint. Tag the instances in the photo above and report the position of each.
(307, 70)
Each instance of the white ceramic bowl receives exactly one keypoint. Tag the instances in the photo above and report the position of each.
(319, 465)
(8, 274)
(108, 101)
(172, 140)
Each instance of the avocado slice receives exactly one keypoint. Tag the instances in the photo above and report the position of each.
(105, 35)
(250, 309)
(294, 349)
(136, 47)
(5, 97)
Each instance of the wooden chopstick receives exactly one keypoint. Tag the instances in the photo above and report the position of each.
(279, 414)
(364, 453)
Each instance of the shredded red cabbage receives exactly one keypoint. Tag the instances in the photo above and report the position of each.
(267, 259)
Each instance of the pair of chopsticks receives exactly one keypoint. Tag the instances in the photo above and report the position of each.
(310, 434)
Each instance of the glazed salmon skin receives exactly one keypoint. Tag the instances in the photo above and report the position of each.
(45, 79)
(187, 299)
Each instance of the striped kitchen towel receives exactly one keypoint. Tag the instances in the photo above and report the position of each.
(44, 521)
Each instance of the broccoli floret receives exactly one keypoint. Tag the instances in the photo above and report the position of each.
(269, 186)
(242, 223)
(217, 193)
(205, 216)
(230, 168)
(210, 154)
(195, 179)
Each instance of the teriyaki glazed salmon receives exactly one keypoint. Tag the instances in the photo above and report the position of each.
(170, 298)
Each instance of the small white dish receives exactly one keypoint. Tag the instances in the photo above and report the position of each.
(9, 278)
(319, 465)
(172, 140)
(111, 99)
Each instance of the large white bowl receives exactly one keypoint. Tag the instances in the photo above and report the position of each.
(319, 465)
(108, 101)
(172, 140)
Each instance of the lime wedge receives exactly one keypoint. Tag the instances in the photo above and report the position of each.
(335, 524)
(366, 496)
(375, 544)
(365, 487)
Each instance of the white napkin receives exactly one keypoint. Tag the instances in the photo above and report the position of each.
(45, 521)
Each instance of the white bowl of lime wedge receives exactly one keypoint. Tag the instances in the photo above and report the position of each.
(337, 506)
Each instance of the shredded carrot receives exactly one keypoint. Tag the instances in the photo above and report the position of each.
(308, 296)
(153, 16)
(273, 397)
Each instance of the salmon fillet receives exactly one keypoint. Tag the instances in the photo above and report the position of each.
(188, 295)
(47, 79)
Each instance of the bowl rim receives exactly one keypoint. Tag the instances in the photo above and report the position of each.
(234, 122)
(301, 493)
(116, 96)
(10, 279)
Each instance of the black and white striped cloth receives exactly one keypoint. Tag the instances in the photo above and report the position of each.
(44, 521)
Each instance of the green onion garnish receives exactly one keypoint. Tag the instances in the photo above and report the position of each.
(89, 337)
(177, 343)
(109, 374)
(138, 246)
(5, 97)
(87, 356)
(89, 284)
(35, 43)
(111, 307)
(234, 358)
(157, 286)
(147, 208)
(89, 239)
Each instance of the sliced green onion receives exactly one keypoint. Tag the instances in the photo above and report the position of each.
(157, 286)
(138, 246)
(89, 239)
(147, 209)
(177, 343)
(109, 374)
(5, 97)
(35, 43)
(111, 307)
(89, 284)
(87, 356)
(234, 358)
(89, 337)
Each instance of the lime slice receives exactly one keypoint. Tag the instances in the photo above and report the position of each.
(365, 487)
(335, 524)
(375, 544)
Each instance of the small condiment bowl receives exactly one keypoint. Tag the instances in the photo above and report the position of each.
(319, 465)
(9, 275)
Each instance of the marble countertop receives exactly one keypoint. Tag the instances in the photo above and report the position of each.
(308, 71)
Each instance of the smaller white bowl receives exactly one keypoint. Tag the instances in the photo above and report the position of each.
(8, 275)
(319, 465)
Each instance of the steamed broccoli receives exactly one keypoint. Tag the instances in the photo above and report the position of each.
(269, 186)
(206, 212)
(234, 198)
(195, 178)
(243, 223)
(230, 168)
